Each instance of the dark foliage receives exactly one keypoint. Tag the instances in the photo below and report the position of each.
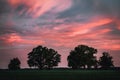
(42, 57)
(14, 64)
(106, 61)
(82, 56)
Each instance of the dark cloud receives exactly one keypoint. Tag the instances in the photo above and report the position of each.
(93, 7)
(4, 7)
(7, 26)
(108, 7)
(80, 7)
(114, 31)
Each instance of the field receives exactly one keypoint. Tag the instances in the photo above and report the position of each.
(60, 75)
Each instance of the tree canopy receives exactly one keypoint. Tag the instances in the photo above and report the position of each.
(42, 57)
(82, 56)
(14, 64)
(106, 60)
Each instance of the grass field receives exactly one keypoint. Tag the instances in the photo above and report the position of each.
(60, 75)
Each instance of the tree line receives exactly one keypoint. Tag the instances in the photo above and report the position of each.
(82, 56)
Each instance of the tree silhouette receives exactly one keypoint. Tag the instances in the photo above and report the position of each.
(106, 60)
(14, 64)
(42, 57)
(82, 56)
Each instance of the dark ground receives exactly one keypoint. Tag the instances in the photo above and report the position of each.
(59, 74)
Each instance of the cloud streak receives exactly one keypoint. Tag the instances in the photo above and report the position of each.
(37, 8)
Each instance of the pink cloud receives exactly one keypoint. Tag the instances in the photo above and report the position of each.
(75, 29)
(14, 39)
(78, 33)
(71, 35)
(37, 8)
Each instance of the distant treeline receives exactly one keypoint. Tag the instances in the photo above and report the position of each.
(81, 57)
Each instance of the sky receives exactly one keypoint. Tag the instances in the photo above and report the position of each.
(58, 24)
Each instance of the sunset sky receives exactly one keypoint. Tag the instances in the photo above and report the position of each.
(58, 24)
